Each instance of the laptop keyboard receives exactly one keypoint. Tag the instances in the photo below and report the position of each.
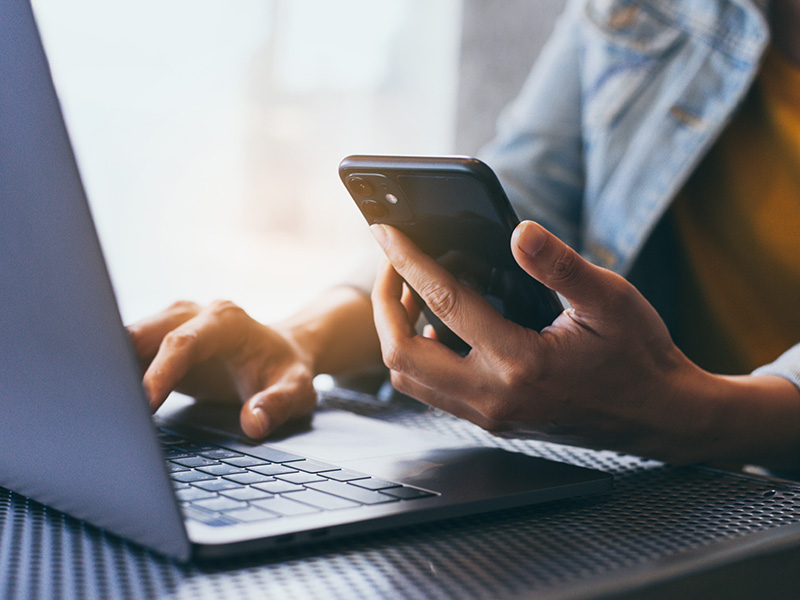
(221, 487)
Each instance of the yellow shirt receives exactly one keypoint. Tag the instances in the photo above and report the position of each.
(738, 229)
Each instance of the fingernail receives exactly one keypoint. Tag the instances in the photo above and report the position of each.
(379, 232)
(530, 237)
(257, 422)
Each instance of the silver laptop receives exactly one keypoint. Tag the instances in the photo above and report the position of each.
(76, 433)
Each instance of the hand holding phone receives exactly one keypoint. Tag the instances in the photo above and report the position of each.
(455, 210)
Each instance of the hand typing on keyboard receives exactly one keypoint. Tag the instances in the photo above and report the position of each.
(219, 352)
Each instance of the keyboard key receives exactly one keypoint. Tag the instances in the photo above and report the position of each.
(190, 476)
(300, 478)
(196, 448)
(195, 461)
(248, 478)
(219, 504)
(374, 484)
(273, 469)
(245, 461)
(221, 469)
(351, 492)
(251, 514)
(284, 506)
(345, 475)
(245, 493)
(173, 468)
(193, 493)
(208, 518)
(219, 453)
(407, 493)
(278, 456)
(175, 452)
(216, 485)
(279, 487)
(312, 466)
(323, 501)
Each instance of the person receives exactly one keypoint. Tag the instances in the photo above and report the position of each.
(653, 153)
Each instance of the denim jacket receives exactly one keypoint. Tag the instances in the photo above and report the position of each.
(623, 103)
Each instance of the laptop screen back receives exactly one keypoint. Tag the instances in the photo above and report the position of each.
(76, 432)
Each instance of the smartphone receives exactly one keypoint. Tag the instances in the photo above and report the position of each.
(455, 210)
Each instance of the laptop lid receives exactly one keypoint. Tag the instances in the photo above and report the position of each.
(76, 432)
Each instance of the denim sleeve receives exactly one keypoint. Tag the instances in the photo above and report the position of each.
(537, 152)
(787, 365)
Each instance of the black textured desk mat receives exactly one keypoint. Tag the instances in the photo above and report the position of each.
(654, 512)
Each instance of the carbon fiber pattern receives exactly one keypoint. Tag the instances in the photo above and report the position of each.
(654, 512)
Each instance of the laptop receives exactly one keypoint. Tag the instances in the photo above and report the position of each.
(76, 433)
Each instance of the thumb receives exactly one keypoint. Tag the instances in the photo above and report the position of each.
(549, 260)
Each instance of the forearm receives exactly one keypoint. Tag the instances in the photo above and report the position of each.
(744, 419)
(336, 332)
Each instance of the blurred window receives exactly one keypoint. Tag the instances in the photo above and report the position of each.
(208, 133)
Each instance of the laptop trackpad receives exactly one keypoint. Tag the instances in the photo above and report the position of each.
(326, 435)
(339, 436)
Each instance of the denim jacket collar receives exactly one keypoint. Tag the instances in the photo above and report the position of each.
(662, 79)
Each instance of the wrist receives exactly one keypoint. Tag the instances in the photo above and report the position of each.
(335, 333)
(752, 419)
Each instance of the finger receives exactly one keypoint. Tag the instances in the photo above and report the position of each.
(405, 352)
(392, 296)
(411, 305)
(217, 329)
(292, 396)
(401, 289)
(549, 260)
(148, 333)
(462, 309)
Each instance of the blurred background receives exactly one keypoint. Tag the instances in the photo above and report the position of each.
(208, 133)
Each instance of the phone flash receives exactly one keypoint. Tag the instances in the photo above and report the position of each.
(391, 198)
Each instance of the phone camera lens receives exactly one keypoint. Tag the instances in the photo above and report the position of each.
(373, 209)
(360, 186)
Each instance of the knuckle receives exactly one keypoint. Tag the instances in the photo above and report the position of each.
(186, 308)
(226, 309)
(518, 377)
(181, 340)
(519, 382)
(393, 357)
(566, 268)
(441, 299)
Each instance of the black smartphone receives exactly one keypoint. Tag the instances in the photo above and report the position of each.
(456, 211)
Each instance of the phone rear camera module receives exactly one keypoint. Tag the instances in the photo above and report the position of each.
(360, 186)
(373, 209)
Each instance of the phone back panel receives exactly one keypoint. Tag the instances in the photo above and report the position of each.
(456, 211)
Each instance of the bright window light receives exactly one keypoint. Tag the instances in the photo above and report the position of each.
(208, 133)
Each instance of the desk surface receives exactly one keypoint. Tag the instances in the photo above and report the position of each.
(658, 523)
